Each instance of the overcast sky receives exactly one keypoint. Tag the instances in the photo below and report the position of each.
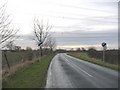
(87, 22)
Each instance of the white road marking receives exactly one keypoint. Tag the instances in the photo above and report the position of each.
(79, 68)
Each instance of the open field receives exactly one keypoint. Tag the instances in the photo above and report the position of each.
(86, 57)
(16, 57)
(32, 76)
(17, 60)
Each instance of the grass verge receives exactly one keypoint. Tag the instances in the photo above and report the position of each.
(85, 56)
(33, 76)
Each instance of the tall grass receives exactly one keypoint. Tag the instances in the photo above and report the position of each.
(32, 76)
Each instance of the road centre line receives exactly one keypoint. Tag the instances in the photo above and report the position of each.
(73, 65)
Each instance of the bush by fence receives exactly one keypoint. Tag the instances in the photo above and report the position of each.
(111, 56)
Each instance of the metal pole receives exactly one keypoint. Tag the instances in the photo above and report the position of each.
(104, 48)
(103, 54)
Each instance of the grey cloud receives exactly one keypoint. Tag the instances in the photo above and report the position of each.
(86, 38)
(75, 38)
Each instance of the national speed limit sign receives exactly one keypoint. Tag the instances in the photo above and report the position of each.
(104, 44)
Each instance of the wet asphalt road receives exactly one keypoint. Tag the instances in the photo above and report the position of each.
(69, 72)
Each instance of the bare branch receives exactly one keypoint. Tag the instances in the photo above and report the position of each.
(50, 43)
(6, 32)
(41, 32)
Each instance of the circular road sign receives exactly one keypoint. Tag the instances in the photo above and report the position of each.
(104, 44)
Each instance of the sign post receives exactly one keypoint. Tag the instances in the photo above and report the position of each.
(104, 45)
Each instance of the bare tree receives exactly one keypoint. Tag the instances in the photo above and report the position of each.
(41, 32)
(10, 45)
(6, 32)
(78, 49)
(28, 48)
(18, 48)
(51, 43)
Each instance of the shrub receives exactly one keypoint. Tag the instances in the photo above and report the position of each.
(30, 55)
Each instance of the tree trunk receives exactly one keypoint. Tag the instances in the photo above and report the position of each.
(51, 49)
(41, 51)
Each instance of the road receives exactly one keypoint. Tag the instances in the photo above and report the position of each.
(68, 72)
